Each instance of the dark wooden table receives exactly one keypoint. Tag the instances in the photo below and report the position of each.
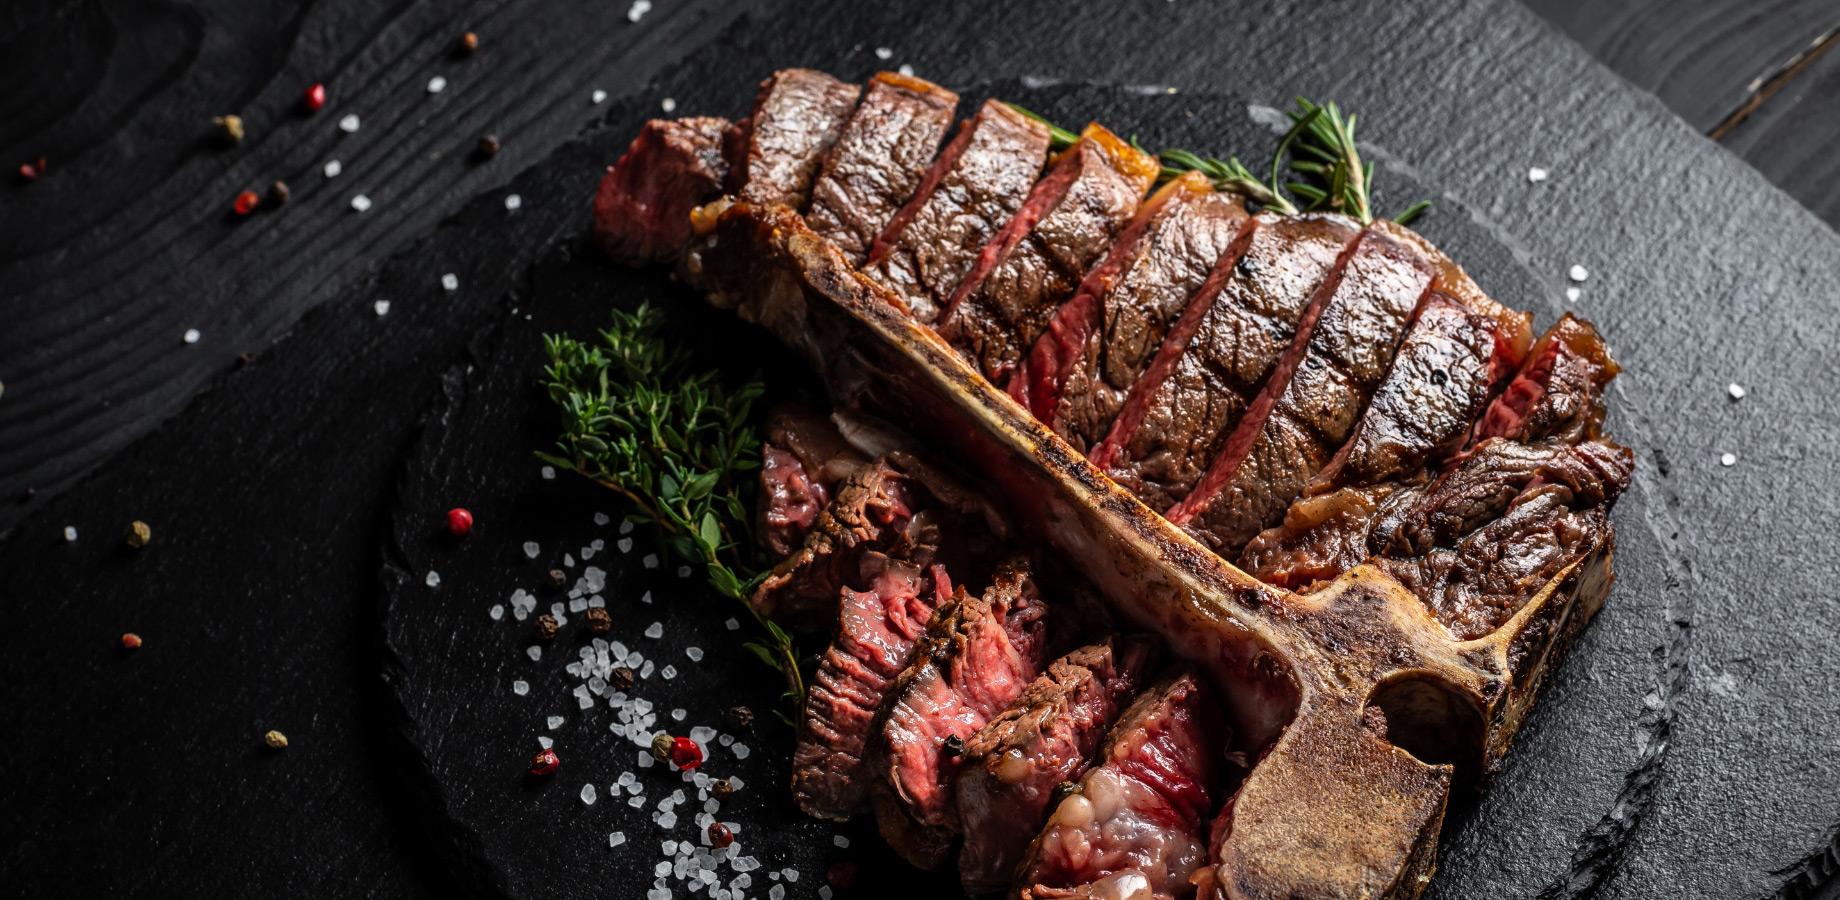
(125, 242)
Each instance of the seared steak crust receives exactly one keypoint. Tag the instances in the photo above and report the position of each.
(1135, 828)
(1306, 412)
(978, 655)
(642, 208)
(1011, 767)
(1036, 261)
(1229, 341)
(873, 509)
(878, 160)
(798, 115)
(802, 462)
(1559, 393)
(972, 190)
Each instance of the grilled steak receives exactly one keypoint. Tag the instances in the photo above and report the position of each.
(879, 160)
(1321, 537)
(642, 208)
(972, 190)
(978, 655)
(1229, 340)
(1313, 398)
(874, 509)
(802, 462)
(1134, 828)
(1559, 392)
(1099, 343)
(876, 633)
(1010, 768)
(1035, 262)
(798, 115)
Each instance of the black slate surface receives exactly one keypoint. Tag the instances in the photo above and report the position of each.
(266, 495)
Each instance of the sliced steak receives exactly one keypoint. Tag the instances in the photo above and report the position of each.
(1314, 397)
(1099, 343)
(1559, 393)
(642, 209)
(1321, 537)
(978, 655)
(1135, 826)
(877, 630)
(873, 509)
(1034, 263)
(802, 462)
(1229, 341)
(798, 115)
(879, 159)
(972, 190)
(1010, 768)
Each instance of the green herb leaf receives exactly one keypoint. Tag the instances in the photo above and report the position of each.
(1058, 138)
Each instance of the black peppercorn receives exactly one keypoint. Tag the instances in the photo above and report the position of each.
(599, 621)
(740, 716)
(622, 678)
(546, 627)
(488, 146)
(558, 578)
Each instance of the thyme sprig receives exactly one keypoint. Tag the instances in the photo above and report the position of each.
(677, 444)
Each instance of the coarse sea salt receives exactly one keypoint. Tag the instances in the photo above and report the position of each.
(548, 472)
(433, 580)
(1572, 294)
(545, 741)
(841, 842)
(732, 624)
(616, 838)
(450, 282)
(554, 722)
(70, 533)
(497, 612)
(589, 794)
(437, 84)
(532, 548)
(638, 10)
(349, 124)
(884, 53)
(655, 630)
(191, 335)
(382, 307)
(1736, 390)
(1728, 459)
(534, 651)
(668, 104)
(601, 519)
(361, 203)
(626, 526)
(1536, 175)
(520, 687)
(695, 653)
(1578, 273)
(650, 561)
(513, 201)
(332, 168)
(599, 96)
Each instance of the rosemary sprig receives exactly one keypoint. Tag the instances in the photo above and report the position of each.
(1058, 138)
(675, 443)
(1333, 175)
(1227, 175)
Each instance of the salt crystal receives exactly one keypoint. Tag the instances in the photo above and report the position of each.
(598, 545)
(655, 630)
(545, 741)
(568, 561)
(659, 893)
(548, 472)
(1579, 273)
(588, 794)
(434, 579)
(534, 651)
(638, 10)
(645, 597)
(740, 750)
(361, 203)
(824, 892)
(531, 549)
(645, 759)
(192, 335)
(666, 820)
(70, 533)
(650, 561)
(616, 838)
(554, 722)
(884, 53)
(437, 84)
(349, 124)
(635, 801)
(645, 671)
(1728, 459)
(843, 843)
(1536, 175)
(333, 168)
(776, 892)
(520, 688)
(601, 518)
(733, 624)
(726, 740)
(597, 601)
(1572, 294)
(677, 715)
(667, 104)
(599, 96)
(695, 653)
(683, 571)
(578, 605)
(382, 307)
(669, 672)
(498, 612)
(1736, 391)
(451, 282)
(906, 69)
(626, 526)
(513, 201)
(661, 869)
(792, 875)
(670, 848)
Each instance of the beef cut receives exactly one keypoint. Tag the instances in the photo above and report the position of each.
(879, 159)
(1228, 342)
(642, 208)
(877, 630)
(875, 508)
(978, 655)
(775, 152)
(1047, 736)
(1559, 392)
(802, 462)
(1097, 344)
(1314, 396)
(1136, 825)
(972, 190)
(1033, 264)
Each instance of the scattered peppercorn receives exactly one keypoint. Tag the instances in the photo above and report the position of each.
(661, 747)
(740, 716)
(279, 192)
(459, 521)
(315, 97)
(246, 203)
(32, 171)
(720, 836)
(954, 745)
(489, 146)
(547, 627)
(545, 763)
(130, 641)
(722, 787)
(558, 578)
(469, 44)
(275, 740)
(139, 534)
(685, 754)
(842, 875)
(229, 128)
(599, 621)
(622, 678)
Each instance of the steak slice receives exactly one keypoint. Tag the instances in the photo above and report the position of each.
(1229, 341)
(1135, 826)
(802, 461)
(1097, 345)
(973, 189)
(1322, 536)
(798, 115)
(1010, 768)
(1313, 398)
(1558, 394)
(1034, 263)
(878, 160)
(873, 509)
(877, 629)
(978, 655)
(642, 208)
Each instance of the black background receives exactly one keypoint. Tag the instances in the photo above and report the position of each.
(270, 486)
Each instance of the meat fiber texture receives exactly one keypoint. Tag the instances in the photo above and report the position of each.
(1099, 343)
(979, 654)
(642, 208)
(877, 630)
(1011, 767)
(802, 462)
(873, 509)
(972, 190)
(879, 160)
(798, 115)
(1135, 827)
(1023, 275)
